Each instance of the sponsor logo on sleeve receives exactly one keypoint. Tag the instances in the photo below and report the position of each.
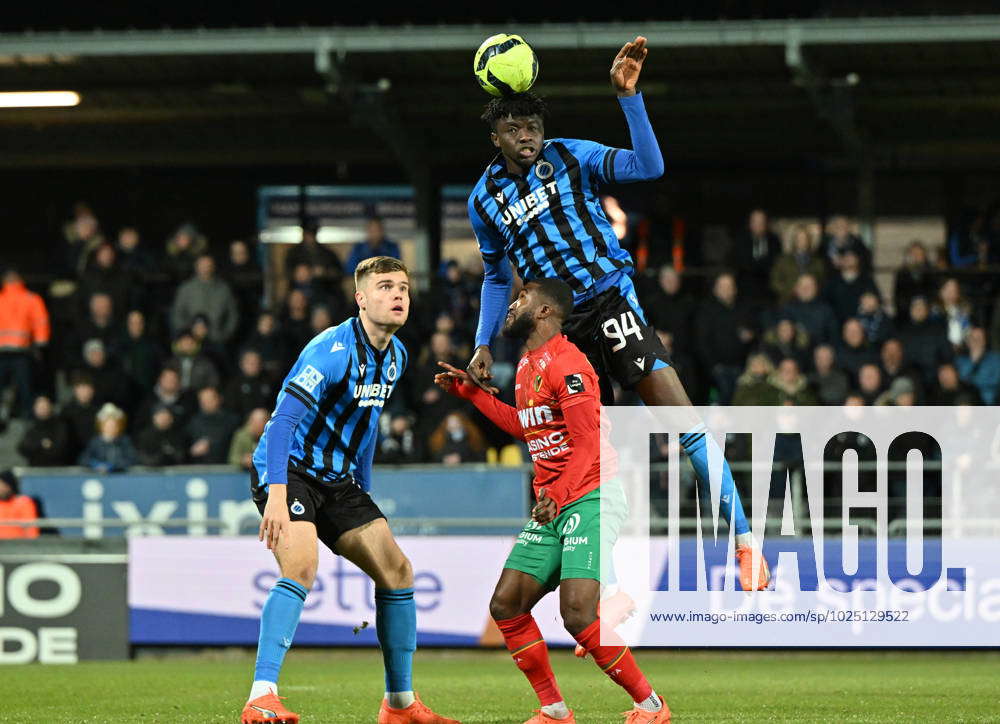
(574, 384)
(308, 379)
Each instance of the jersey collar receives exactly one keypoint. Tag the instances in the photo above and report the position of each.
(359, 330)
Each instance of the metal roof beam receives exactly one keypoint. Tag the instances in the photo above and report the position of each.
(386, 39)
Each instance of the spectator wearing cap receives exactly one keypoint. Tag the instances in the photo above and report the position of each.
(46, 442)
(161, 442)
(206, 295)
(925, 340)
(901, 393)
(951, 390)
(802, 259)
(754, 254)
(14, 506)
(376, 243)
(980, 366)
(839, 240)
(111, 450)
(210, 429)
(808, 309)
(831, 384)
(914, 279)
(245, 439)
(846, 287)
(194, 368)
(110, 382)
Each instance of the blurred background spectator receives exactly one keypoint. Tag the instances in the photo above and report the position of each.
(111, 450)
(46, 441)
(245, 439)
(376, 243)
(14, 506)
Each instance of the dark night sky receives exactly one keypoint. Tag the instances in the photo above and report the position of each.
(17, 17)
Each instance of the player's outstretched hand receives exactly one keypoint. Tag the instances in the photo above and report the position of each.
(480, 369)
(545, 509)
(276, 520)
(452, 378)
(627, 65)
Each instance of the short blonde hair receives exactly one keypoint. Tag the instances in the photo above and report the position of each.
(378, 265)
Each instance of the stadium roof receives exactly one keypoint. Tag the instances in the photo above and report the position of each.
(909, 92)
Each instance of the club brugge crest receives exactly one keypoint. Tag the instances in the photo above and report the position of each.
(544, 170)
(392, 372)
(297, 507)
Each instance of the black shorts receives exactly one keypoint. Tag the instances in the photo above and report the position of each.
(614, 334)
(335, 508)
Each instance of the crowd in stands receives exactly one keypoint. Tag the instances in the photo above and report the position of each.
(162, 354)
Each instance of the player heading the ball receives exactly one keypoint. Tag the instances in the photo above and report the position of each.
(536, 208)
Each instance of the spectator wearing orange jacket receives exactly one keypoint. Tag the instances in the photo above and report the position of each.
(24, 326)
(14, 506)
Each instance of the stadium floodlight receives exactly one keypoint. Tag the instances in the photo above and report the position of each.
(39, 99)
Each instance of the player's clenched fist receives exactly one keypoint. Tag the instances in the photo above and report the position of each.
(545, 509)
(276, 519)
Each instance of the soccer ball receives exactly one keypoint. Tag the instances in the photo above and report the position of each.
(505, 64)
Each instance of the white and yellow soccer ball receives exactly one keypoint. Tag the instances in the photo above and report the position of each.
(505, 64)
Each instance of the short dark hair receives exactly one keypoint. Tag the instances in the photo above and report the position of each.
(515, 105)
(558, 293)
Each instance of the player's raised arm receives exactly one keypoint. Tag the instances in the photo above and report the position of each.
(494, 297)
(644, 161)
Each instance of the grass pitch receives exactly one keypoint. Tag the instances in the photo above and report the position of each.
(484, 686)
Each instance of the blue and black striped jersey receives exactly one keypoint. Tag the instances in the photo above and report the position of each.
(550, 222)
(344, 382)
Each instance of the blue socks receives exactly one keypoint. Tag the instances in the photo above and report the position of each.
(696, 443)
(278, 621)
(396, 626)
